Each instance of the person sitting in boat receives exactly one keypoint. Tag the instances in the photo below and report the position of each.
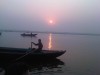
(31, 33)
(39, 44)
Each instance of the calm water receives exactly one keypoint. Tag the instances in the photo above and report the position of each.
(81, 58)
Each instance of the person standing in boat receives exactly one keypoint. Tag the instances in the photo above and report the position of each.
(39, 44)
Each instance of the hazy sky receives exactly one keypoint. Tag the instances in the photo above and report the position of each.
(51, 15)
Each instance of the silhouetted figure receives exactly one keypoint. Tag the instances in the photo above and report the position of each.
(31, 33)
(39, 44)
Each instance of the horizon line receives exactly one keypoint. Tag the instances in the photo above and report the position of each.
(52, 32)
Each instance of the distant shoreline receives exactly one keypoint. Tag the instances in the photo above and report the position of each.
(48, 32)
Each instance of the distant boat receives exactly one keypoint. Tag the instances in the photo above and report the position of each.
(7, 53)
(28, 34)
(0, 33)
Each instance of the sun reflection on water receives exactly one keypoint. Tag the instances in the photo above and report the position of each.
(50, 41)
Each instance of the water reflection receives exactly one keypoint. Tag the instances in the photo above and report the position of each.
(50, 66)
(34, 67)
(50, 41)
(18, 68)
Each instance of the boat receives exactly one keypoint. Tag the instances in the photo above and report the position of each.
(0, 33)
(28, 34)
(8, 53)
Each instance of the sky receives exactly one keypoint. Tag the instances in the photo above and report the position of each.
(82, 16)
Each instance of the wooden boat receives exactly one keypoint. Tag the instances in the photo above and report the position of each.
(7, 53)
(28, 34)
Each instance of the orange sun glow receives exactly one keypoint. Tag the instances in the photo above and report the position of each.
(50, 21)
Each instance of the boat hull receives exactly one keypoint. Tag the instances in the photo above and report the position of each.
(27, 54)
(24, 34)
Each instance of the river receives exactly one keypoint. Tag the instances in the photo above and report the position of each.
(81, 57)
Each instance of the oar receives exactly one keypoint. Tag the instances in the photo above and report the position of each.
(25, 54)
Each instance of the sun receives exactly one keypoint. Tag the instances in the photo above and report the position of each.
(51, 21)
